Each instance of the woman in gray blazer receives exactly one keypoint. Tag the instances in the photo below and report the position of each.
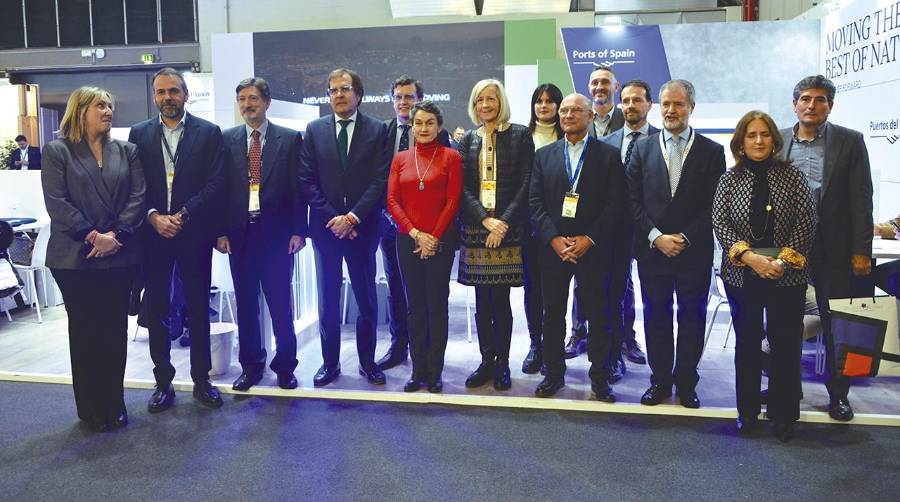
(94, 191)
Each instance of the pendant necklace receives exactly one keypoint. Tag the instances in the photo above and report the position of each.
(422, 175)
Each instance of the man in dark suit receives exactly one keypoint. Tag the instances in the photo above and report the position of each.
(183, 159)
(343, 173)
(836, 164)
(672, 178)
(636, 104)
(576, 199)
(405, 92)
(267, 217)
(607, 117)
(25, 157)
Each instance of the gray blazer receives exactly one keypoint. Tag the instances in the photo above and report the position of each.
(80, 197)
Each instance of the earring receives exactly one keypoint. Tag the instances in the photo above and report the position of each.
(741, 152)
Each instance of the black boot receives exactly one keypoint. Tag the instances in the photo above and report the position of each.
(534, 359)
(482, 374)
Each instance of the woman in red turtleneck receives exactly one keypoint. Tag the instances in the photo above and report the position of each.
(423, 196)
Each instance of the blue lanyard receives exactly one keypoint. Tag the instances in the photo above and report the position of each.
(574, 177)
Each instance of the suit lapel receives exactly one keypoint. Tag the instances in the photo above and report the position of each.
(270, 152)
(662, 175)
(84, 159)
(114, 166)
(185, 144)
(358, 134)
(831, 151)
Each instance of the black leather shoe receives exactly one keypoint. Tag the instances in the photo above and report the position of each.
(574, 346)
(603, 392)
(784, 432)
(246, 380)
(840, 409)
(287, 381)
(395, 356)
(207, 394)
(632, 351)
(482, 374)
(436, 387)
(374, 375)
(98, 425)
(656, 394)
(161, 399)
(616, 371)
(121, 419)
(745, 425)
(533, 361)
(502, 379)
(549, 386)
(413, 384)
(689, 399)
(326, 375)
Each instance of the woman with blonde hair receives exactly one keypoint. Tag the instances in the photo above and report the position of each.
(497, 158)
(94, 191)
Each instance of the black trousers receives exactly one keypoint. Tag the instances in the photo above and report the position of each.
(194, 261)
(555, 278)
(494, 321)
(97, 308)
(264, 261)
(783, 310)
(360, 256)
(534, 302)
(427, 290)
(396, 300)
(691, 289)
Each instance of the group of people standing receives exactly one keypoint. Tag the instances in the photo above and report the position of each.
(579, 193)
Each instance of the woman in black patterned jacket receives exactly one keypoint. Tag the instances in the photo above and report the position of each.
(497, 158)
(764, 218)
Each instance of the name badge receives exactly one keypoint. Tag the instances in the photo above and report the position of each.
(570, 205)
(170, 179)
(254, 197)
(489, 194)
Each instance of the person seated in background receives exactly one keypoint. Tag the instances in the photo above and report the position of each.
(887, 275)
(25, 157)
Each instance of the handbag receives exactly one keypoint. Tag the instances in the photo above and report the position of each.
(865, 334)
(21, 249)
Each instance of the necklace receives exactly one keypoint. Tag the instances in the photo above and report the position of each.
(766, 226)
(422, 175)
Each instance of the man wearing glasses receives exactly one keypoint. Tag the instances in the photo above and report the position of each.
(405, 92)
(343, 173)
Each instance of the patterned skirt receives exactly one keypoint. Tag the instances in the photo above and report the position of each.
(480, 266)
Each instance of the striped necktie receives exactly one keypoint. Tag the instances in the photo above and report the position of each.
(675, 161)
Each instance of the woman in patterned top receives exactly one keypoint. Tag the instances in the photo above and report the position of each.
(497, 158)
(764, 218)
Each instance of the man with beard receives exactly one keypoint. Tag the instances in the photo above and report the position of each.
(183, 159)
(672, 178)
(636, 102)
(607, 117)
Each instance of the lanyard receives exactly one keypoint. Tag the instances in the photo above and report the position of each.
(172, 158)
(684, 154)
(576, 176)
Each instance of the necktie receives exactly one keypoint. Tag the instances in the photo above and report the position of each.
(255, 157)
(675, 163)
(633, 139)
(404, 139)
(342, 141)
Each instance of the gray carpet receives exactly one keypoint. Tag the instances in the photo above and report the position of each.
(278, 449)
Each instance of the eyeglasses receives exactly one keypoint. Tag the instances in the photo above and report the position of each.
(404, 97)
(344, 89)
(568, 110)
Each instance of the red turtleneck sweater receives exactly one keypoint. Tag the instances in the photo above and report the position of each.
(430, 210)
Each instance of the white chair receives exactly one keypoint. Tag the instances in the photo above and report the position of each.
(222, 283)
(38, 259)
(717, 292)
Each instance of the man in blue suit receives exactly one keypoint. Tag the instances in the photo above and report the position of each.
(576, 200)
(25, 157)
(343, 173)
(672, 178)
(183, 159)
(267, 225)
(636, 103)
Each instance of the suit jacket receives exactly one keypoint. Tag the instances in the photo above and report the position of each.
(281, 204)
(515, 156)
(616, 122)
(688, 212)
(443, 136)
(199, 176)
(332, 190)
(601, 202)
(844, 205)
(80, 198)
(34, 158)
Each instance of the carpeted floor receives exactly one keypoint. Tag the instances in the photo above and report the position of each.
(281, 449)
